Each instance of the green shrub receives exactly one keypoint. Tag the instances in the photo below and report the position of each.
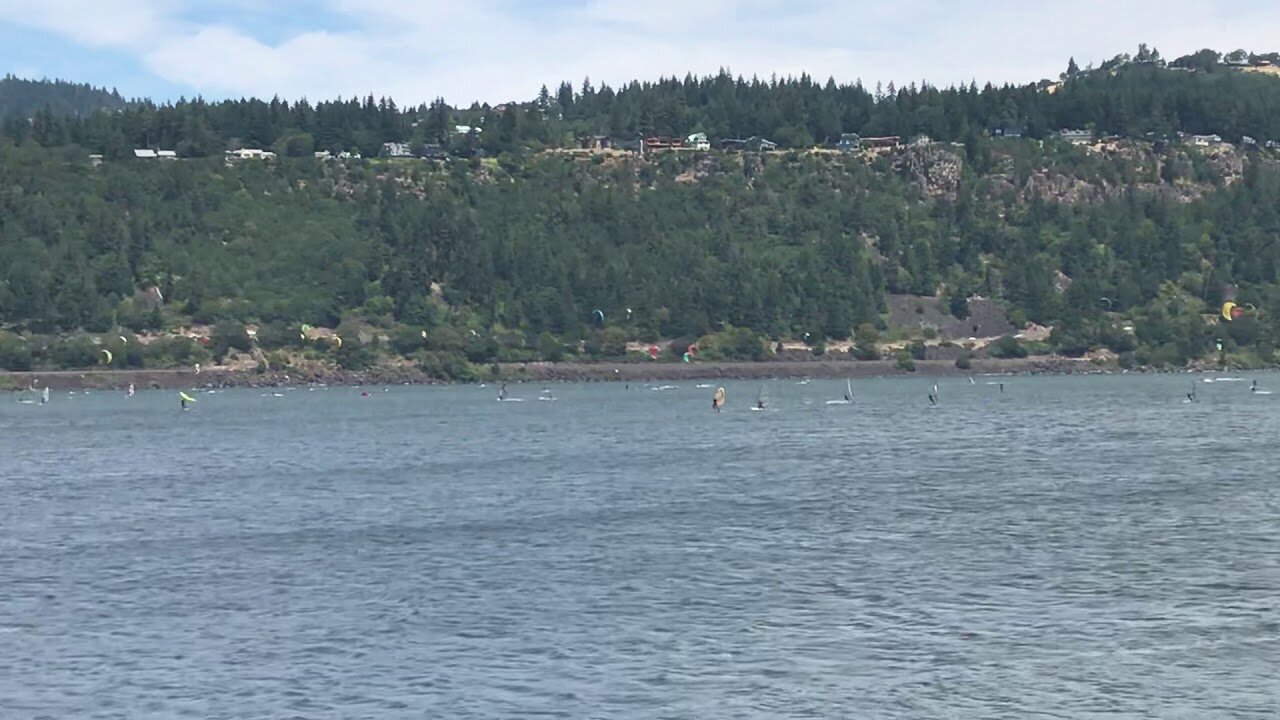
(1007, 347)
(904, 361)
(963, 362)
(15, 352)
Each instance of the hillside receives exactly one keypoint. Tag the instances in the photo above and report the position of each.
(24, 98)
(1117, 246)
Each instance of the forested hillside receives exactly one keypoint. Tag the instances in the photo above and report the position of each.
(1121, 245)
(24, 98)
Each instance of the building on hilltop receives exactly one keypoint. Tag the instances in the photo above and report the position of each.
(754, 143)
(697, 141)
(594, 142)
(396, 150)
(662, 142)
(1076, 137)
(888, 142)
(849, 142)
(250, 154)
(1206, 140)
(149, 154)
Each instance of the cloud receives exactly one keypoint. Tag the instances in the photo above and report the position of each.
(101, 23)
(496, 50)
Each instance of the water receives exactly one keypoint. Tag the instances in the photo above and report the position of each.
(1071, 548)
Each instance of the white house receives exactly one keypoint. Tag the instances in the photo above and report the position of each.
(697, 141)
(250, 154)
(166, 154)
(397, 150)
(145, 153)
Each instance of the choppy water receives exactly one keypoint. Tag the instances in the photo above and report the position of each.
(1069, 548)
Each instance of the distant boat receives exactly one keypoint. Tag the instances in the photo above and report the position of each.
(762, 399)
(848, 394)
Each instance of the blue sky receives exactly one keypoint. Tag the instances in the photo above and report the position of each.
(496, 50)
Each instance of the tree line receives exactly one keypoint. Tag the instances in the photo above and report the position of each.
(1127, 96)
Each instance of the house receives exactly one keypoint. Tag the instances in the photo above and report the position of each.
(1271, 145)
(921, 141)
(759, 144)
(1008, 132)
(887, 142)
(1206, 140)
(751, 144)
(433, 151)
(144, 153)
(593, 142)
(1246, 140)
(697, 141)
(662, 142)
(849, 142)
(250, 154)
(166, 154)
(95, 159)
(345, 155)
(396, 150)
(466, 130)
(322, 155)
(1076, 137)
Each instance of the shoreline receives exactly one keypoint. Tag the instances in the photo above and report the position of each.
(543, 372)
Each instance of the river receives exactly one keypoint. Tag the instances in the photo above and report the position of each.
(1067, 547)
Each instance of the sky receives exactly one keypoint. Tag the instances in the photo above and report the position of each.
(499, 50)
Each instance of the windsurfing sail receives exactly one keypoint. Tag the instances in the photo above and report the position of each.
(717, 401)
(761, 398)
(502, 394)
(848, 389)
(44, 395)
(130, 391)
(185, 399)
(106, 356)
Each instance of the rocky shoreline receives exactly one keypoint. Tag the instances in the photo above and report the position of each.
(540, 372)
